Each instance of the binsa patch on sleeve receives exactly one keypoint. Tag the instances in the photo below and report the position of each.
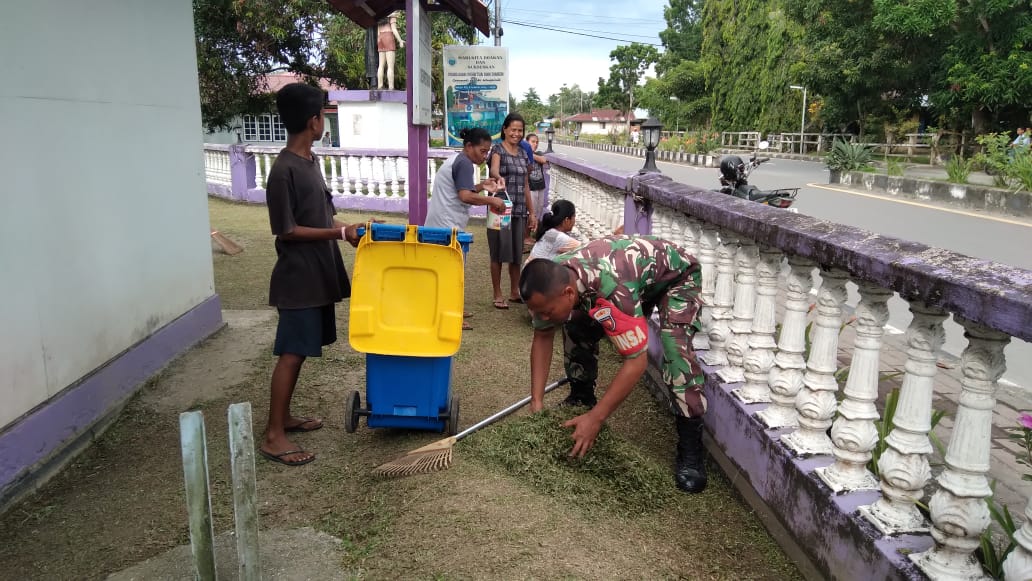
(629, 334)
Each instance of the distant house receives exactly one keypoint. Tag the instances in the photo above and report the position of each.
(266, 128)
(598, 122)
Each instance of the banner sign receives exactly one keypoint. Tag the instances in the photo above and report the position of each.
(476, 90)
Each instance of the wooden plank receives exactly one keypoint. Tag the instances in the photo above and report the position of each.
(245, 494)
(198, 499)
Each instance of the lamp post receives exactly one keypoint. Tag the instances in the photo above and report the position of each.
(650, 130)
(802, 123)
(550, 134)
(677, 113)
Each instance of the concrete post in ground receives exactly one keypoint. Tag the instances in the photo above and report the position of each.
(198, 501)
(245, 494)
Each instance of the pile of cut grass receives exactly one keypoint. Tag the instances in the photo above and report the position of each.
(614, 475)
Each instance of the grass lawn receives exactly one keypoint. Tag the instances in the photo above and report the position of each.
(511, 507)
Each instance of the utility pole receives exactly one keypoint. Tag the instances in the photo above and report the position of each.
(498, 22)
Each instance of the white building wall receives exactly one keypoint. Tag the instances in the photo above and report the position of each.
(593, 128)
(104, 233)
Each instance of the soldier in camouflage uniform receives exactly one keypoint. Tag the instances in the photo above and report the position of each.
(610, 287)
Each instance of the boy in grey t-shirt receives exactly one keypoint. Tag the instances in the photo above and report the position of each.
(309, 276)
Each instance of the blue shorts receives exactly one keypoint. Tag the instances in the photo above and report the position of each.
(305, 331)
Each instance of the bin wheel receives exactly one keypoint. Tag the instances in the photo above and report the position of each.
(453, 416)
(352, 407)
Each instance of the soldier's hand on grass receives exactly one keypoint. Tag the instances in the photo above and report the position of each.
(585, 430)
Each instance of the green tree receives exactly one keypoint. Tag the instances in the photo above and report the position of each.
(749, 53)
(682, 38)
(532, 109)
(238, 43)
(985, 72)
(678, 96)
(629, 64)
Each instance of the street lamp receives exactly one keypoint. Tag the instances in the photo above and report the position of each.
(550, 134)
(802, 124)
(677, 113)
(650, 130)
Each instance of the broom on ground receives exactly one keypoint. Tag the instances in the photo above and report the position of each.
(438, 455)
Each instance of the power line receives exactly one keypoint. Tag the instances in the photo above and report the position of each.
(570, 28)
(591, 16)
(577, 33)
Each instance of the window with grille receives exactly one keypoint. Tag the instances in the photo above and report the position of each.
(265, 127)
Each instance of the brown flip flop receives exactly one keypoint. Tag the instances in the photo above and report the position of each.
(501, 304)
(279, 457)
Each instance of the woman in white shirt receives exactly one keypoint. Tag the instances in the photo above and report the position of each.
(552, 233)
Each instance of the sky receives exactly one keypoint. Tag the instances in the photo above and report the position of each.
(546, 59)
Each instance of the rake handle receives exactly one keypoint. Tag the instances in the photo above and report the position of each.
(507, 411)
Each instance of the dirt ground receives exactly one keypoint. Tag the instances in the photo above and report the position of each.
(121, 502)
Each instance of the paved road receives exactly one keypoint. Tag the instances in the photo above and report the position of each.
(980, 235)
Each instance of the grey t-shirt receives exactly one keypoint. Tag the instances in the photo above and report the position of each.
(551, 244)
(306, 274)
(445, 209)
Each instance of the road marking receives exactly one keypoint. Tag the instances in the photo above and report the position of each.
(927, 206)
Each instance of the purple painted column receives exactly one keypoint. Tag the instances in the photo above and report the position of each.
(242, 170)
(637, 221)
(418, 136)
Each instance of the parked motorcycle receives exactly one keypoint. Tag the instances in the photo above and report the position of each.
(734, 174)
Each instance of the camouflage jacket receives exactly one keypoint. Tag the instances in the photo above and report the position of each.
(629, 273)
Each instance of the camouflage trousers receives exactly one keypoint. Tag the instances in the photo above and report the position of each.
(678, 310)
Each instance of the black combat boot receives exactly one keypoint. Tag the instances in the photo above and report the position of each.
(690, 471)
(581, 394)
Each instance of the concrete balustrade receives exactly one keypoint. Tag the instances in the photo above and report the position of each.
(773, 404)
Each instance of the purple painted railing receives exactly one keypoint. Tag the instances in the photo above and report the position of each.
(798, 425)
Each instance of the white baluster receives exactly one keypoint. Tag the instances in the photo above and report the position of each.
(958, 509)
(662, 222)
(723, 301)
(334, 184)
(691, 235)
(903, 466)
(385, 179)
(1018, 564)
(395, 181)
(744, 308)
(786, 377)
(321, 162)
(854, 434)
(709, 240)
(760, 356)
(816, 402)
(355, 174)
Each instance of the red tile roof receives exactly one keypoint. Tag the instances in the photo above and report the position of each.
(600, 116)
(277, 81)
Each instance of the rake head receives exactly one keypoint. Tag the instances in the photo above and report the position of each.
(430, 458)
